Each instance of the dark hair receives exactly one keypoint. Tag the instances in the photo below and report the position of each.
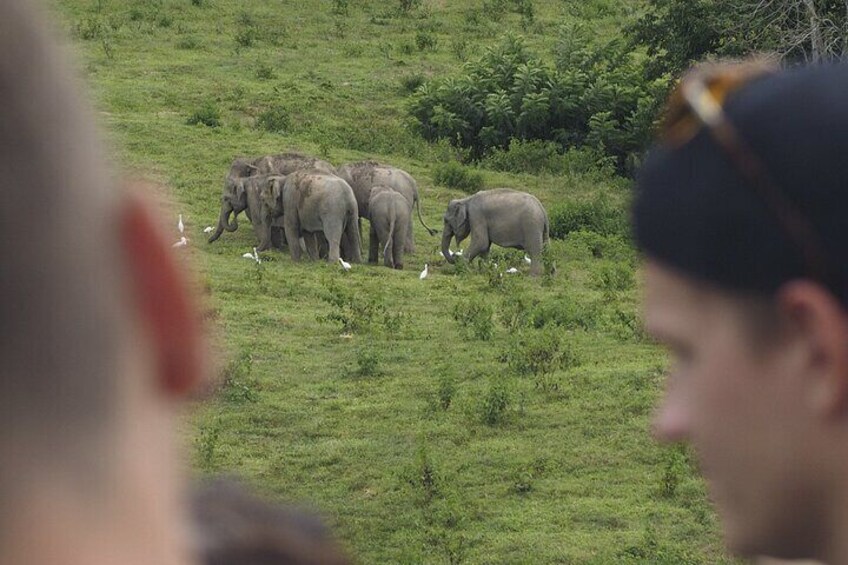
(695, 212)
(235, 527)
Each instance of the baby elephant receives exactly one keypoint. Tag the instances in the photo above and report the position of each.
(502, 216)
(390, 212)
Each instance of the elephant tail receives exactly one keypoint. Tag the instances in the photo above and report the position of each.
(388, 256)
(430, 230)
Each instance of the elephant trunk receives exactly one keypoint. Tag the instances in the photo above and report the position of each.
(447, 235)
(223, 222)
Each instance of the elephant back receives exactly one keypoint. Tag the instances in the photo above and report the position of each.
(365, 175)
(287, 163)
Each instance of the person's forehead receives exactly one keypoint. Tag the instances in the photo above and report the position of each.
(674, 302)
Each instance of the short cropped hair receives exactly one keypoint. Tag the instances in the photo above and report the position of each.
(60, 298)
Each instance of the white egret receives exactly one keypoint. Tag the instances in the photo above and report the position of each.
(248, 255)
(425, 272)
(527, 259)
(181, 243)
(180, 225)
(512, 270)
(208, 229)
(345, 265)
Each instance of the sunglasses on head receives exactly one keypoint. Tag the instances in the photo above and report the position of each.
(698, 102)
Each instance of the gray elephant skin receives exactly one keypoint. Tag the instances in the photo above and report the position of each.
(365, 175)
(390, 217)
(313, 202)
(502, 216)
(233, 199)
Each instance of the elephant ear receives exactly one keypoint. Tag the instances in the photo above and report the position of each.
(460, 217)
(277, 188)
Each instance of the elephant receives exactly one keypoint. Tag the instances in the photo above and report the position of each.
(287, 163)
(503, 216)
(365, 175)
(390, 217)
(313, 202)
(233, 201)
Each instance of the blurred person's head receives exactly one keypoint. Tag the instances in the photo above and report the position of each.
(741, 213)
(97, 338)
(235, 527)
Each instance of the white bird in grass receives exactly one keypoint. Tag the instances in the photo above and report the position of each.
(345, 265)
(181, 243)
(527, 259)
(254, 256)
(208, 229)
(425, 272)
(180, 225)
(512, 270)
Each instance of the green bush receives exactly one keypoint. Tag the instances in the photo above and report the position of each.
(538, 353)
(598, 215)
(237, 385)
(208, 115)
(410, 83)
(527, 156)
(264, 71)
(613, 276)
(367, 363)
(495, 403)
(593, 96)
(425, 41)
(275, 120)
(454, 175)
(475, 318)
(567, 312)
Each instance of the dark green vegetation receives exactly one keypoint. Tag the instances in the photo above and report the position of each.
(472, 417)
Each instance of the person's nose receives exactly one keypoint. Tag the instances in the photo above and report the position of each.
(671, 422)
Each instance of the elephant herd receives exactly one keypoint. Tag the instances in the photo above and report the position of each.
(305, 203)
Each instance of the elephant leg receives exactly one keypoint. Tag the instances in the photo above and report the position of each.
(397, 251)
(311, 241)
(334, 238)
(351, 232)
(263, 233)
(479, 246)
(373, 245)
(293, 236)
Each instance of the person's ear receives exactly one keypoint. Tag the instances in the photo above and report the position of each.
(818, 321)
(161, 301)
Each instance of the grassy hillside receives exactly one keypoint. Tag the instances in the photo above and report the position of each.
(472, 417)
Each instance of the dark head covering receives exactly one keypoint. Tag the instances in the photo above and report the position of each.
(694, 211)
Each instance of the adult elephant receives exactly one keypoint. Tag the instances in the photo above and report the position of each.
(365, 175)
(233, 199)
(390, 213)
(502, 216)
(313, 201)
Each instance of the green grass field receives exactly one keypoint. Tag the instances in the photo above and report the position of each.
(465, 418)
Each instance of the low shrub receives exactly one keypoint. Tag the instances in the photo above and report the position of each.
(598, 215)
(495, 403)
(527, 156)
(264, 71)
(425, 41)
(367, 363)
(475, 318)
(539, 352)
(410, 83)
(275, 120)
(613, 276)
(454, 175)
(237, 385)
(208, 115)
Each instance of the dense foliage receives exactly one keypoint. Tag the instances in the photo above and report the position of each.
(594, 95)
(679, 32)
